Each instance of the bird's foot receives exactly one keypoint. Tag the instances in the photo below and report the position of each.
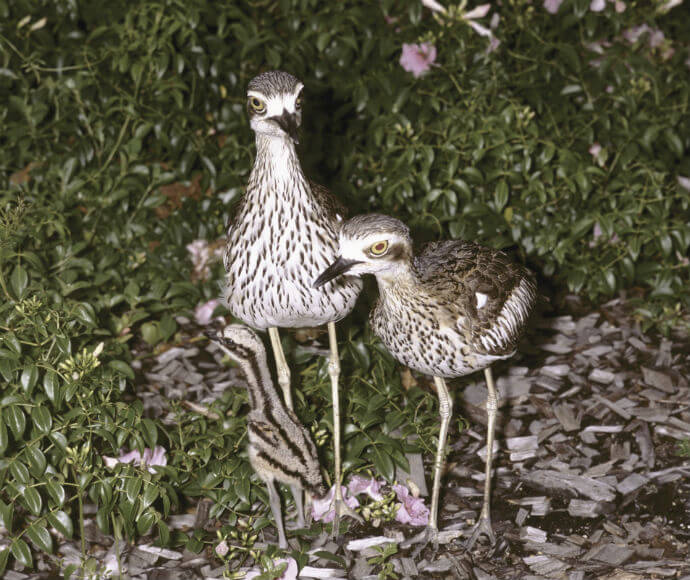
(423, 538)
(483, 526)
(342, 510)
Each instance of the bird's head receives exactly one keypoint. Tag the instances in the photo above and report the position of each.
(274, 103)
(239, 342)
(370, 244)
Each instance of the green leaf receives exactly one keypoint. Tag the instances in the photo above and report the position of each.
(146, 521)
(123, 368)
(20, 472)
(6, 515)
(37, 461)
(149, 432)
(28, 378)
(56, 492)
(19, 280)
(22, 553)
(43, 421)
(4, 439)
(62, 523)
(150, 333)
(85, 314)
(14, 416)
(40, 537)
(150, 494)
(4, 555)
(33, 500)
(132, 488)
(383, 463)
(50, 385)
(501, 195)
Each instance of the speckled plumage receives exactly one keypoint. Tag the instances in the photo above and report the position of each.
(283, 235)
(435, 301)
(280, 448)
(450, 311)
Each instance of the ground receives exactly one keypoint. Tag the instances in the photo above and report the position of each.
(591, 481)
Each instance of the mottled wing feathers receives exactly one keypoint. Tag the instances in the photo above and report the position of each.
(476, 287)
(331, 204)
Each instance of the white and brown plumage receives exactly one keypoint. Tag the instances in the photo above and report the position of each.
(452, 310)
(280, 448)
(284, 234)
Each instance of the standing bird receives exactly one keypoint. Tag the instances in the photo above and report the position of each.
(283, 235)
(280, 448)
(452, 310)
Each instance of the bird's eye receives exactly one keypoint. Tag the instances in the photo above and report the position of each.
(257, 105)
(298, 103)
(379, 248)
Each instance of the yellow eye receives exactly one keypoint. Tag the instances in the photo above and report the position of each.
(257, 105)
(379, 248)
(298, 103)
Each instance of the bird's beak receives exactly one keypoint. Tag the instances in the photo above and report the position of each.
(288, 123)
(340, 266)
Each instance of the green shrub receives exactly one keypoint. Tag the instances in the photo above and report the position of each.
(124, 138)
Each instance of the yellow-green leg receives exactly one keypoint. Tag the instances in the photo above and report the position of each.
(282, 367)
(483, 526)
(341, 508)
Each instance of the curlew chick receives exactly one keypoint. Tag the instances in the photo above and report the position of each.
(452, 310)
(280, 448)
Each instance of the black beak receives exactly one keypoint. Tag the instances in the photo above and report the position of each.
(288, 123)
(340, 266)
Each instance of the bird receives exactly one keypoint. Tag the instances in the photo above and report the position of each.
(280, 448)
(453, 309)
(283, 234)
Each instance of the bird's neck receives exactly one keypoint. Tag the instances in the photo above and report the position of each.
(399, 277)
(262, 391)
(277, 166)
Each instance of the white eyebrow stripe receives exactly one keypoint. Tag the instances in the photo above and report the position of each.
(481, 299)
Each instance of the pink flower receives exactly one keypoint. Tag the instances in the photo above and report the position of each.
(417, 58)
(204, 312)
(290, 572)
(478, 12)
(412, 509)
(552, 6)
(597, 5)
(222, 549)
(434, 6)
(322, 510)
(371, 487)
(148, 459)
(620, 6)
(594, 150)
(684, 182)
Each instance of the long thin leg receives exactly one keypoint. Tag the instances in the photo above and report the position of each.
(430, 534)
(484, 524)
(297, 494)
(281, 365)
(339, 504)
(274, 500)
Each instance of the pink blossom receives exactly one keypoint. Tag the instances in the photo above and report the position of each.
(683, 260)
(371, 487)
(594, 150)
(204, 312)
(222, 549)
(434, 6)
(417, 58)
(290, 572)
(322, 509)
(620, 6)
(148, 459)
(597, 5)
(478, 12)
(412, 509)
(552, 6)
